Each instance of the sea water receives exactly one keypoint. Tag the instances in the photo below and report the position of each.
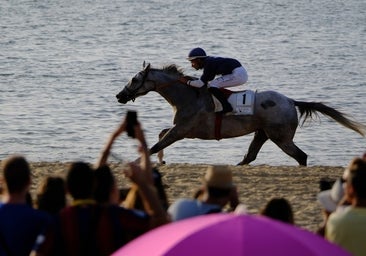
(62, 63)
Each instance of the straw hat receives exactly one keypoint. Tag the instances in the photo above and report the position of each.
(218, 176)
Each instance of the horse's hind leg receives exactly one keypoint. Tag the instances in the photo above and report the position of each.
(259, 139)
(292, 150)
(161, 152)
(161, 156)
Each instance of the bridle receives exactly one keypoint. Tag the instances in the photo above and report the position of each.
(144, 80)
(134, 91)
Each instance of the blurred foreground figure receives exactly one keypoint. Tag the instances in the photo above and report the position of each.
(23, 229)
(347, 228)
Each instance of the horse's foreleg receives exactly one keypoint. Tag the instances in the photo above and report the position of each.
(161, 152)
(259, 139)
(169, 137)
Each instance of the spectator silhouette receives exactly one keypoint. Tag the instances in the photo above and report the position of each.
(94, 223)
(51, 195)
(78, 220)
(23, 229)
(218, 190)
(154, 200)
(106, 191)
(347, 228)
(279, 209)
(331, 200)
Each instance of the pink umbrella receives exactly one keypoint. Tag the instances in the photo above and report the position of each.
(229, 234)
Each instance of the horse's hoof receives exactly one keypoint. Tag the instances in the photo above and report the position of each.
(161, 163)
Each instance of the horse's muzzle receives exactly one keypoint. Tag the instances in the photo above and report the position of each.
(123, 98)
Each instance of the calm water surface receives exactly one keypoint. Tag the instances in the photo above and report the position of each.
(62, 62)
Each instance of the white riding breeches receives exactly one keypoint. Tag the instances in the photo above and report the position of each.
(239, 76)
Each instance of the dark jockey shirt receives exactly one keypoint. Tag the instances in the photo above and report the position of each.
(214, 66)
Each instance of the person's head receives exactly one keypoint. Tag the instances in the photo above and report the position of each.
(218, 183)
(356, 180)
(197, 56)
(279, 209)
(105, 190)
(80, 180)
(17, 174)
(51, 194)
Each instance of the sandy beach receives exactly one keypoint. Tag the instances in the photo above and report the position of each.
(256, 184)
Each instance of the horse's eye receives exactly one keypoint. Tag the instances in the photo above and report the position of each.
(134, 80)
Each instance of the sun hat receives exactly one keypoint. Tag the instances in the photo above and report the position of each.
(218, 176)
(330, 198)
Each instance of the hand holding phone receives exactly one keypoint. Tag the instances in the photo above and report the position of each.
(131, 121)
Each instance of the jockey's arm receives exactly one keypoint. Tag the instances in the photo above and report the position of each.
(196, 83)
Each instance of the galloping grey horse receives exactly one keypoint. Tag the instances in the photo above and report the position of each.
(275, 116)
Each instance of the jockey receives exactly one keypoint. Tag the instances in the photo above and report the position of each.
(231, 71)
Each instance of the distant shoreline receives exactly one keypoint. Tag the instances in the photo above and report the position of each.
(256, 184)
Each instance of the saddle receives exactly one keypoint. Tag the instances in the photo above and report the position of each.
(241, 101)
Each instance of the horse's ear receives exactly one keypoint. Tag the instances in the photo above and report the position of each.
(146, 68)
(144, 64)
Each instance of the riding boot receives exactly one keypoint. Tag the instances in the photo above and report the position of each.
(226, 106)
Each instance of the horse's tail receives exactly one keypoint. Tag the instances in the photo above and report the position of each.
(307, 109)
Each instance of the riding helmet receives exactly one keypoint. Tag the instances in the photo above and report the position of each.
(196, 53)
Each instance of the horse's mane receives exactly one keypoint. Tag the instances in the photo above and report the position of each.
(173, 69)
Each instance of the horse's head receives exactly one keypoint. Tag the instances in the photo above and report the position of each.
(165, 81)
(139, 85)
